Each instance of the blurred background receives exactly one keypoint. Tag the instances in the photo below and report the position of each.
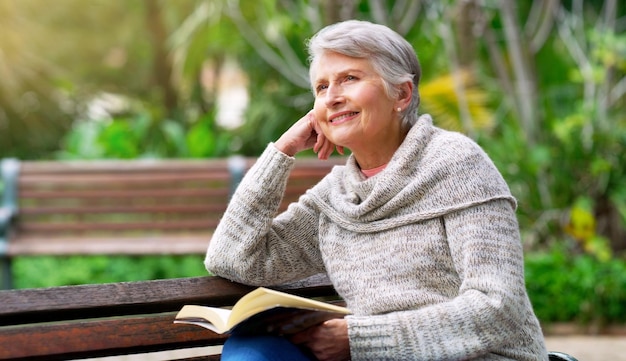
(540, 84)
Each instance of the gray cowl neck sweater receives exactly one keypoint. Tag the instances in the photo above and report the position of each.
(426, 254)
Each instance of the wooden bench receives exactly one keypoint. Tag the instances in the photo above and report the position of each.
(136, 207)
(88, 321)
(74, 322)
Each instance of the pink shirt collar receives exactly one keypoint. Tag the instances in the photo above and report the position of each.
(372, 172)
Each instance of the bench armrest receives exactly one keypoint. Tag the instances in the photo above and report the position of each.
(7, 214)
(9, 171)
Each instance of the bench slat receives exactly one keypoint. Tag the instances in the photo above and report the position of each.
(103, 337)
(115, 299)
(62, 323)
(196, 243)
(124, 209)
(126, 298)
(124, 193)
(132, 179)
(86, 226)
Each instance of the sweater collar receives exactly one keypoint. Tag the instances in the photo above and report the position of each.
(432, 173)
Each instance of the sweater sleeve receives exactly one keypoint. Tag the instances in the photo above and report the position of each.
(251, 244)
(490, 313)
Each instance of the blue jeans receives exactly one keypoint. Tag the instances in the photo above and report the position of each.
(263, 348)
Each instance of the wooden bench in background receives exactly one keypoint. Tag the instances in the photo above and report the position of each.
(74, 322)
(136, 207)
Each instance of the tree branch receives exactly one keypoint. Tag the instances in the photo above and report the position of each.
(618, 91)
(266, 52)
(578, 54)
(495, 56)
(603, 97)
(535, 15)
(312, 13)
(407, 17)
(459, 87)
(401, 17)
(545, 25)
(378, 12)
(523, 76)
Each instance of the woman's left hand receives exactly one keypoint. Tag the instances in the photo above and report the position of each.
(328, 341)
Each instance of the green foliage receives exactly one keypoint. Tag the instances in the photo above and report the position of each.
(56, 58)
(277, 105)
(582, 288)
(49, 271)
(200, 141)
(579, 152)
(550, 177)
(140, 136)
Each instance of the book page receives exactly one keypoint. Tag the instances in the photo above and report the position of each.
(263, 299)
(212, 318)
(283, 321)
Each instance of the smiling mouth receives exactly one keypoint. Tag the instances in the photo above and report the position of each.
(343, 116)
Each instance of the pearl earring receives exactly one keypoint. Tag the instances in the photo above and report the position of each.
(399, 109)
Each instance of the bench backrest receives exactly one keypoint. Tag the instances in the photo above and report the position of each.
(122, 205)
(73, 322)
(118, 199)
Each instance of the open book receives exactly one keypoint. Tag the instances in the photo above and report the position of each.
(262, 311)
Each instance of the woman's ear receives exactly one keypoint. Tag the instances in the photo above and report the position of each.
(405, 94)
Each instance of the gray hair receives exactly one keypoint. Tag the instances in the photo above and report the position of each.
(391, 56)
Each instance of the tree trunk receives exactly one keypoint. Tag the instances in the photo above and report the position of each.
(162, 66)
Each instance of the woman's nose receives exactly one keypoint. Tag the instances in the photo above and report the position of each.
(334, 96)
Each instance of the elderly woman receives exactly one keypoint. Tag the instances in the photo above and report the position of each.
(417, 232)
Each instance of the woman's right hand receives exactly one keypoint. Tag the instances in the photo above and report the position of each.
(306, 134)
(328, 341)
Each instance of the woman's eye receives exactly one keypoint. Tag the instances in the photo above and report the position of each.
(321, 87)
(350, 77)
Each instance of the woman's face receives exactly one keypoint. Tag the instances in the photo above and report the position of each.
(351, 105)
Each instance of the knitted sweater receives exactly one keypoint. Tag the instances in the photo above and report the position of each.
(426, 254)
